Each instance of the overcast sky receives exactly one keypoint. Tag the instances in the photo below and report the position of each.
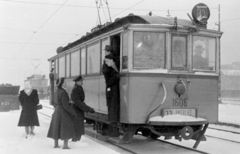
(32, 30)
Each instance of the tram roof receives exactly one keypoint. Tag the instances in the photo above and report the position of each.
(130, 19)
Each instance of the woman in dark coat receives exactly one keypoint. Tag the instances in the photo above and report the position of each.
(61, 126)
(29, 100)
(78, 97)
(112, 84)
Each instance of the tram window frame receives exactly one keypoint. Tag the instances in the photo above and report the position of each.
(75, 67)
(205, 52)
(162, 66)
(104, 42)
(95, 44)
(56, 68)
(62, 66)
(184, 46)
(125, 49)
(68, 60)
(83, 61)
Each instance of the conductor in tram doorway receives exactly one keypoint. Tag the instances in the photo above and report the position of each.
(79, 106)
(112, 94)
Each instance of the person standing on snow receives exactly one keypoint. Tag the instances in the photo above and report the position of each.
(61, 126)
(79, 106)
(29, 100)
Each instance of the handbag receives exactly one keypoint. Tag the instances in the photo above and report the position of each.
(39, 107)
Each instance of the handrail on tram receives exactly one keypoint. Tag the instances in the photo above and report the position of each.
(163, 100)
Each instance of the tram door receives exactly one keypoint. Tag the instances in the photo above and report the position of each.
(115, 43)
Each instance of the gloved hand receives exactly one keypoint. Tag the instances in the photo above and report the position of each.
(91, 110)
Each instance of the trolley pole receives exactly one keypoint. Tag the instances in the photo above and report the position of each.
(98, 12)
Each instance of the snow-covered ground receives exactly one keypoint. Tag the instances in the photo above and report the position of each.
(12, 137)
(229, 113)
(13, 141)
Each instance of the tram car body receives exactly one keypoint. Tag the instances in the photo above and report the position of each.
(164, 89)
(9, 97)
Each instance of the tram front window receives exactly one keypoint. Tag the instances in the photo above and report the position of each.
(149, 50)
(204, 53)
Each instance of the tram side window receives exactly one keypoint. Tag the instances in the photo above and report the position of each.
(75, 63)
(204, 53)
(93, 58)
(149, 50)
(104, 42)
(83, 61)
(125, 51)
(62, 67)
(68, 65)
(56, 68)
(179, 52)
(52, 66)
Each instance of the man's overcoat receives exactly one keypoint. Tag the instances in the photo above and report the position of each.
(79, 106)
(112, 84)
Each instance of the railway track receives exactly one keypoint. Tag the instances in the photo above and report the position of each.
(123, 146)
(225, 131)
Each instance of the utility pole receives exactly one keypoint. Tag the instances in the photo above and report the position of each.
(219, 24)
(219, 29)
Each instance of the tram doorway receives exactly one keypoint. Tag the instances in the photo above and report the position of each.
(115, 42)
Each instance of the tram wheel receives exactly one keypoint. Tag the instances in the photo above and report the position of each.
(146, 133)
(154, 136)
(89, 121)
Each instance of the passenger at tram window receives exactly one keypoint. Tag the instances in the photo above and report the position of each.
(199, 62)
(112, 94)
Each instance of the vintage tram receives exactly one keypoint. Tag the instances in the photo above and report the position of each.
(169, 68)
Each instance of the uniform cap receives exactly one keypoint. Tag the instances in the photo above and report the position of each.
(78, 78)
(108, 48)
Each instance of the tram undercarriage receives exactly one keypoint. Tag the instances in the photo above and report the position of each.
(126, 132)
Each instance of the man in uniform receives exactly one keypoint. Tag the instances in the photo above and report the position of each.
(79, 106)
(199, 62)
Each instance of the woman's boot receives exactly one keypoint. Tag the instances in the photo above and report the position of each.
(27, 131)
(31, 132)
(56, 144)
(65, 144)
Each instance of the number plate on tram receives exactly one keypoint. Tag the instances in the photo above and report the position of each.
(185, 112)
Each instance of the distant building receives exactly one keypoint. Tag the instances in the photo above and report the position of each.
(230, 80)
(40, 83)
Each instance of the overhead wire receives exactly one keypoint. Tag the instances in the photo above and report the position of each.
(112, 16)
(76, 35)
(39, 28)
(35, 32)
(93, 7)
(29, 43)
(32, 31)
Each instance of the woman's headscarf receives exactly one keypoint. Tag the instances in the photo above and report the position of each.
(60, 82)
(27, 87)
